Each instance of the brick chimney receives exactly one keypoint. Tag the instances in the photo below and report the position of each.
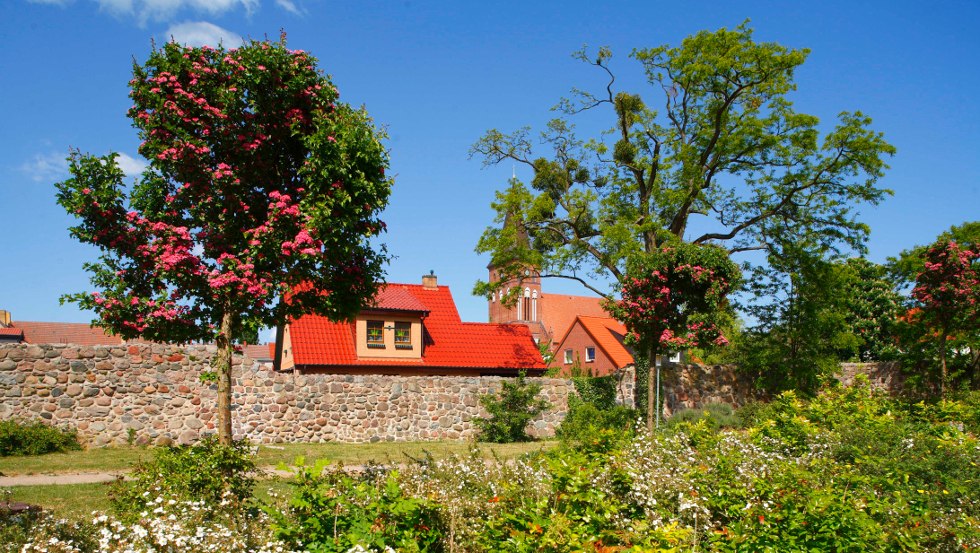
(4, 318)
(430, 281)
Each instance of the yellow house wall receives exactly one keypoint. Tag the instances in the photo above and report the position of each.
(389, 351)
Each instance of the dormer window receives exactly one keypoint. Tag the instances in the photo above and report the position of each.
(403, 335)
(376, 334)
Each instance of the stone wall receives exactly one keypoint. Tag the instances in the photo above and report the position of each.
(883, 376)
(153, 394)
(688, 386)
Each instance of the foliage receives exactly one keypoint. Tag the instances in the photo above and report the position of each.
(510, 411)
(672, 299)
(906, 266)
(600, 391)
(947, 313)
(337, 511)
(825, 312)
(588, 423)
(207, 472)
(726, 162)
(715, 415)
(851, 469)
(871, 308)
(260, 186)
(168, 526)
(34, 438)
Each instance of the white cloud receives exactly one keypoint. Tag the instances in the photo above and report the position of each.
(199, 33)
(133, 167)
(289, 6)
(48, 167)
(61, 3)
(167, 10)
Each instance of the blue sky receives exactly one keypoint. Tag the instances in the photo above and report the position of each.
(438, 75)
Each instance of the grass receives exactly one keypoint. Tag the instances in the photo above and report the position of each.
(74, 499)
(82, 499)
(119, 459)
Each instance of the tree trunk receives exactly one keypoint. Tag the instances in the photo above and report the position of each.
(942, 365)
(653, 389)
(222, 367)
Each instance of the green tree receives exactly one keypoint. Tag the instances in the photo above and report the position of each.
(672, 300)
(801, 328)
(871, 308)
(725, 161)
(947, 294)
(260, 185)
(906, 266)
(826, 312)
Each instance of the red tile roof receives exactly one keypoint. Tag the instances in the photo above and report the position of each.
(396, 298)
(15, 332)
(260, 352)
(448, 343)
(81, 334)
(558, 312)
(608, 334)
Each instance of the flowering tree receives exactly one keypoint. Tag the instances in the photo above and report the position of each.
(260, 183)
(948, 293)
(672, 299)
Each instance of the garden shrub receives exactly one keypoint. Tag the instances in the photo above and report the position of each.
(207, 471)
(510, 411)
(586, 423)
(19, 437)
(600, 391)
(336, 511)
(716, 415)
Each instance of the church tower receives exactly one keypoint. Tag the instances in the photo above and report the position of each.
(529, 307)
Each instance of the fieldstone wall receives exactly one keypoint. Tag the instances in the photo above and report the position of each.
(153, 394)
(688, 386)
(883, 376)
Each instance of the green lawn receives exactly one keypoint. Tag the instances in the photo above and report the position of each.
(82, 499)
(115, 459)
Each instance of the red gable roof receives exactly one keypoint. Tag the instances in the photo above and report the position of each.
(448, 342)
(82, 334)
(608, 334)
(560, 310)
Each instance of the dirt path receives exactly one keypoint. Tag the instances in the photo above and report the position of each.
(58, 479)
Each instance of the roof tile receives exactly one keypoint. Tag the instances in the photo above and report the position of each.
(82, 334)
(448, 342)
(608, 334)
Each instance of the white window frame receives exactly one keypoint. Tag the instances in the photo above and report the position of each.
(589, 354)
(568, 356)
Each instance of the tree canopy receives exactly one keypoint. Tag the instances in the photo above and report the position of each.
(906, 266)
(715, 154)
(947, 313)
(261, 184)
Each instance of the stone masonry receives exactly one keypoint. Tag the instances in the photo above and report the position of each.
(153, 394)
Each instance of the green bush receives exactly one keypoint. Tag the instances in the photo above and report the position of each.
(335, 511)
(510, 411)
(207, 471)
(586, 423)
(597, 390)
(34, 438)
(716, 415)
